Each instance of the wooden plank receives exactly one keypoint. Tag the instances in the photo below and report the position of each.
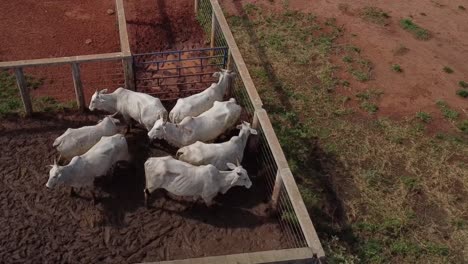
(80, 99)
(271, 138)
(276, 189)
(62, 60)
(301, 212)
(236, 55)
(129, 74)
(195, 6)
(301, 255)
(24, 92)
(123, 33)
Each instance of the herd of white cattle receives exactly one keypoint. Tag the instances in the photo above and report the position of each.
(199, 169)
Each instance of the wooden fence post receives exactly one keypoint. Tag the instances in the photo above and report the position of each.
(24, 92)
(276, 190)
(80, 99)
(213, 32)
(129, 74)
(196, 8)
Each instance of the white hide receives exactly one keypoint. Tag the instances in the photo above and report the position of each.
(143, 108)
(196, 104)
(82, 170)
(183, 179)
(220, 154)
(205, 127)
(75, 142)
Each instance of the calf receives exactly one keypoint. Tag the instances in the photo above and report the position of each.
(82, 170)
(220, 154)
(183, 179)
(75, 142)
(140, 107)
(205, 127)
(196, 104)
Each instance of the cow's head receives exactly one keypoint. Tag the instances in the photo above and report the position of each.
(54, 174)
(110, 118)
(224, 73)
(241, 178)
(245, 127)
(97, 100)
(157, 132)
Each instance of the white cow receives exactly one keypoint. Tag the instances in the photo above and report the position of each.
(196, 104)
(205, 127)
(82, 170)
(183, 179)
(143, 108)
(75, 142)
(219, 155)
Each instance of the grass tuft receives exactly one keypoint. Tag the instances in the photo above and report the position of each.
(397, 68)
(463, 84)
(462, 93)
(423, 116)
(417, 31)
(375, 15)
(447, 69)
(447, 112)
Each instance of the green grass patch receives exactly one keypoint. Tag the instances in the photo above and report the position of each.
(447, 112)
(423, 116)
(417, 31)
(375, 15)
(463, 84)
(463, 126)
(397, 68)
(462, 93)
(447, 69)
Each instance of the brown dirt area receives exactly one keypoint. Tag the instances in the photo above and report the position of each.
(46, 29)
(49, 226)
(422, 81)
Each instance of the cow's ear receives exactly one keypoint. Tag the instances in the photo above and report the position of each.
(239, 126)
(253, 131)
(103, 91)
(231, 166)
(216, 74)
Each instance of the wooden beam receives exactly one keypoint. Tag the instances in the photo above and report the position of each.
(80, 99)
(276, 190)
(195, 6)
(24, 92)
(62, 60)
(271, 138)
(129, 74)
(301, 212)
(236, 55)
(123, 33)
(295, 255)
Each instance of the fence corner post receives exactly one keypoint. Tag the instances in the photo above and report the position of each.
(276, 190)
(80, 99)
(129, 73)
(24, 92)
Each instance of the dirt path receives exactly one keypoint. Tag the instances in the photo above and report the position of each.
(49, 226)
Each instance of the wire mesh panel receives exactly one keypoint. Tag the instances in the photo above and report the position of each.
(175, 74)
(99, 75)
(10, 99)
(50, 86)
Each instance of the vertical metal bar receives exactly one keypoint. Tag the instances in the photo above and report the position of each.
(129, 73)
(76, 73)
(24, 92)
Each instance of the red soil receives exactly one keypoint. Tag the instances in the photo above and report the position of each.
(45, 29)
(422, 81)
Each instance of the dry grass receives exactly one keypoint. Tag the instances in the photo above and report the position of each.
(384, 191)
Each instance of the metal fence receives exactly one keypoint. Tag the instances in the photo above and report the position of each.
(170, 75)
(285, 196)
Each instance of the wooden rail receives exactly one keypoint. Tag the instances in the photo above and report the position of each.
(294, 255)
(62, 60)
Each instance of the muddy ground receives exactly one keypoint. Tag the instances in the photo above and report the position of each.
(43, 225)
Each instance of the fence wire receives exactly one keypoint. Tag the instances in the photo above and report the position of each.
(99, 75)
(293, 235)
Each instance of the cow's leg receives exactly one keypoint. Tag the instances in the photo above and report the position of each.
(95, 200)
(147, 194)
(72, 192)
(128, 122)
